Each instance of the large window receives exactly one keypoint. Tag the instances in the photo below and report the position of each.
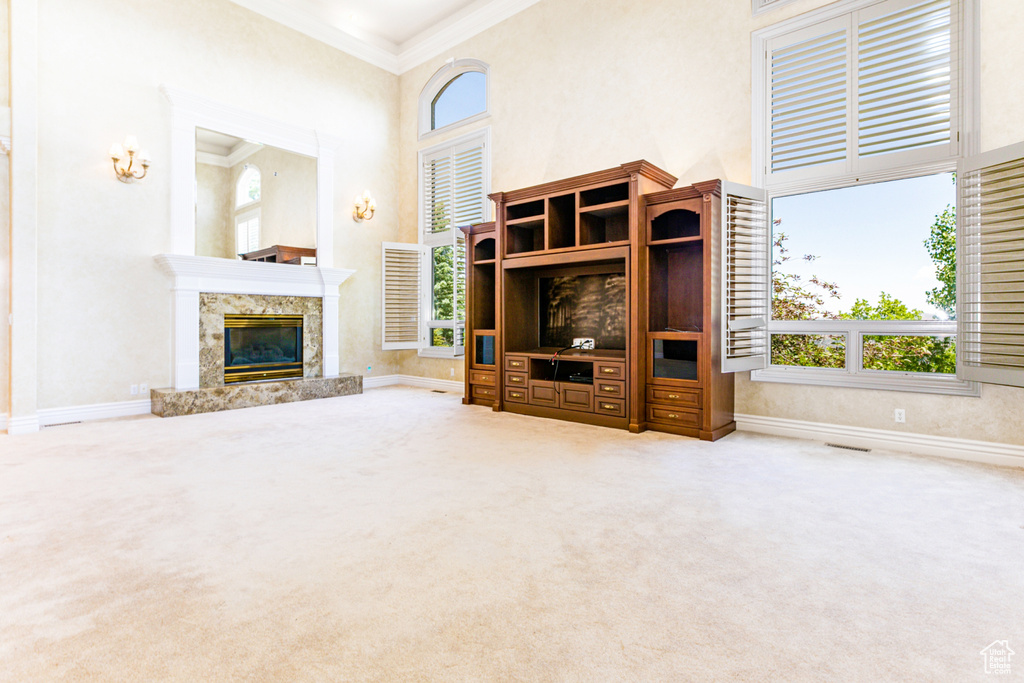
(860, 118)
(248, 193)
(424, 285)
(453, 195)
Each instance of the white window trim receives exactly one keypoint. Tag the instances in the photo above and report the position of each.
(238, 181)
(762, 6)
(447, 238)
(968, 102)
(441, 78)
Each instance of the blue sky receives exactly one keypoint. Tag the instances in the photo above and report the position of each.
(868, 239)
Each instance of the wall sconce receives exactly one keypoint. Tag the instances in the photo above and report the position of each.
(366, 206)
(126, 174)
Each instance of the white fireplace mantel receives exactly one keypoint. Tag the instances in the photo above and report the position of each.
(192, 275)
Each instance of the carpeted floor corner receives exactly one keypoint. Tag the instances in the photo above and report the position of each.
(400, 535)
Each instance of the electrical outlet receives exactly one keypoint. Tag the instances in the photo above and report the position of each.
(453, 372)
(369, 369)
(134, 389)
(583, 342)
(143, 388)
(900, 415)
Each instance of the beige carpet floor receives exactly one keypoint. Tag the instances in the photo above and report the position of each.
(399, 535)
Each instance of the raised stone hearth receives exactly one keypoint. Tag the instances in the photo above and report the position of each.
(172, 403)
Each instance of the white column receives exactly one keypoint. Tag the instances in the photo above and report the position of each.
(325, 208)
(186, 338)
(329, 343)
(23, 323)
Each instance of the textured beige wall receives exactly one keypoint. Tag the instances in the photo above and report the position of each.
(215, 234)
(287, 197)
(5, 215)
(581, 85)
(104, 307)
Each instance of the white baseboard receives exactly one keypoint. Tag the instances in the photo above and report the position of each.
(408, 380)
(1006, 455)
(22, 425)
(97, 411)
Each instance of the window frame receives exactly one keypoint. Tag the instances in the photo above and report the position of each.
(452, 69)
(964, 103)
(449, 238)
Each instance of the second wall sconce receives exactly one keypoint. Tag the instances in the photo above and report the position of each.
(366, 206)
(128, 174)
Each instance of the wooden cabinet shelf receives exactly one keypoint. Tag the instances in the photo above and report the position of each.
(615, 256)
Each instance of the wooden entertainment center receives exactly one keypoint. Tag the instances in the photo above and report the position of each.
(615, 256)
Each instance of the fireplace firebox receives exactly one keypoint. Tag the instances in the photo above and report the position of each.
(258, 347)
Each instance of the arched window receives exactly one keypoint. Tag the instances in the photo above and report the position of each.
(248, 189)
(456, 94)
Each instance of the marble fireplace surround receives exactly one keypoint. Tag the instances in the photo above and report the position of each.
(193, 276)
(212, 308)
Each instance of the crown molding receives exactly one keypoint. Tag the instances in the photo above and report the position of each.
(240, 154)
(395, 59)
(314, 28)
(446, 35)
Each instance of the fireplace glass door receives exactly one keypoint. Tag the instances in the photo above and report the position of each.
(260, 347)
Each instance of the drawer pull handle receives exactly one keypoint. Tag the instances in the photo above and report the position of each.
(515, 379)
(607, 406)
(608, 370)
(516, 364)
(673, 395)
(607, 388)
(516, 394)
(673, 416)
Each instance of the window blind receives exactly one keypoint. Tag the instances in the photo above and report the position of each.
(869, 90)
(747, 278)
(402, 275)
(990, 225)
(904, 79)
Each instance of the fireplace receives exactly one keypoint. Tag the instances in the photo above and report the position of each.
(259, 347)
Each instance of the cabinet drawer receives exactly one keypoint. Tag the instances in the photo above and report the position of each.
(684, 398)
(481, 377)
(576, 397)
(516, 363)
(610, 406)
(481, 391)
(515, 379)
(674, 416)
(543, 394)
(604, 370)
(515, 394)
(607, 388)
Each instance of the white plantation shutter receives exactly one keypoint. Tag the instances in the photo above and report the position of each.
(247, 231)
(746, 278)
(990, 238)
(402, 300)
(437, 194)
(808, 97)
(460, 295)
(468, 184)
(904, 76)
(866, 90)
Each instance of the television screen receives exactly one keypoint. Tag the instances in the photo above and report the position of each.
(583, 306)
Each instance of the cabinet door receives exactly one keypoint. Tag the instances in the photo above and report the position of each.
(576, 396)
